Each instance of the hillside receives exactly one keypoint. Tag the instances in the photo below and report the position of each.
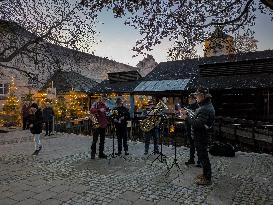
(52, 57)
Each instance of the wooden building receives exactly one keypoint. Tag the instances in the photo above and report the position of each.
(241, 85)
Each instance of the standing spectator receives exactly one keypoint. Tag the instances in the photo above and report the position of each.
(36, 124)
(48, 115)
(99, 110)
(201, 122)
(25, 113)
(120, 120)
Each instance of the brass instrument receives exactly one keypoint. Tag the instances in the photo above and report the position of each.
(190, 112)
(94, 121)
(153, 118)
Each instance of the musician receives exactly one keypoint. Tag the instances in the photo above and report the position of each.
(192, 105)
(154, 133)
(99, 109)
(120, 116)
(201, 122)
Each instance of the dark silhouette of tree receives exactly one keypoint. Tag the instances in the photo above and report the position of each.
(186, 23)
(27, 26)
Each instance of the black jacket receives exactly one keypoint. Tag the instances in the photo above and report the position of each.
(48, 114)
(37, 121)
(121, 112)
(202, 121)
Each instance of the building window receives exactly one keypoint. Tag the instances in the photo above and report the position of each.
(2, 89)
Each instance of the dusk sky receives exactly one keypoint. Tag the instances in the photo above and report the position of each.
(118, 39)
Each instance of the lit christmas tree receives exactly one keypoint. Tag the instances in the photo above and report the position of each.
(59, 108)
(11, 107)
(74, 106)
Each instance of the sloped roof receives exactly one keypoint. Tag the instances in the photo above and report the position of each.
(65, 81)
(162, 85)
(121, 87)
(189, 69)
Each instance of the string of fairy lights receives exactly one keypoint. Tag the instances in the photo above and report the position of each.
(11, 107)
(69, 106)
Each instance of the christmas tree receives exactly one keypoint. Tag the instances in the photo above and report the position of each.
(74, 107)
(11, 107)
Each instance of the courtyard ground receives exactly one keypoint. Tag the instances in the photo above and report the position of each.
(63, 173)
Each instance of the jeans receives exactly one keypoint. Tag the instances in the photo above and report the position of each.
(98, 132)
(154, 133)
(37, 141)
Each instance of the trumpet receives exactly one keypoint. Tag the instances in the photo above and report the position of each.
(190, 112)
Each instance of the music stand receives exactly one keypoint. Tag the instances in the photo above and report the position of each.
(160, 155)
(113, 155)
(174, 163)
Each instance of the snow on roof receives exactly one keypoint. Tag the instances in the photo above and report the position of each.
(162, 85)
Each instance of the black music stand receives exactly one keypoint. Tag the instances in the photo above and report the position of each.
(162, 158)
(113, 155)
(160, 154)
(174, 163)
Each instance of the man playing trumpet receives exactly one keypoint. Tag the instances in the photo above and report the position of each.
(201, 121)
(120, 116)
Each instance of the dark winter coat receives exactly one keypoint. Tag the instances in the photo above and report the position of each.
(202, 121)
(48, 114)
(25, 111)
(37, 121)
(121, 112)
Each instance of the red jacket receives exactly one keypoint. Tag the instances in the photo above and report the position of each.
(101, 116)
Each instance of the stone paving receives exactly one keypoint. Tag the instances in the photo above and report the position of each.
(63, 173)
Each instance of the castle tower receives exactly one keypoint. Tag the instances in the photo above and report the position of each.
(219, 44)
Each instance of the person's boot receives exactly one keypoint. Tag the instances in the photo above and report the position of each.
(118, 153)
(40, 147)
(126, 153)
(198, 164)
(190, 161)
(35, 153)
(102, 156)
(200, 176)
(203, 181)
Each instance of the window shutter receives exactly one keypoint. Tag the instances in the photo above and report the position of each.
(6, 88)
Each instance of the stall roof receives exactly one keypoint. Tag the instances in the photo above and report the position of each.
(162, 85)
(121, 87)
(64, 81)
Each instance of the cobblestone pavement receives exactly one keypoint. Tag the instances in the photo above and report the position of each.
(64, 174)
